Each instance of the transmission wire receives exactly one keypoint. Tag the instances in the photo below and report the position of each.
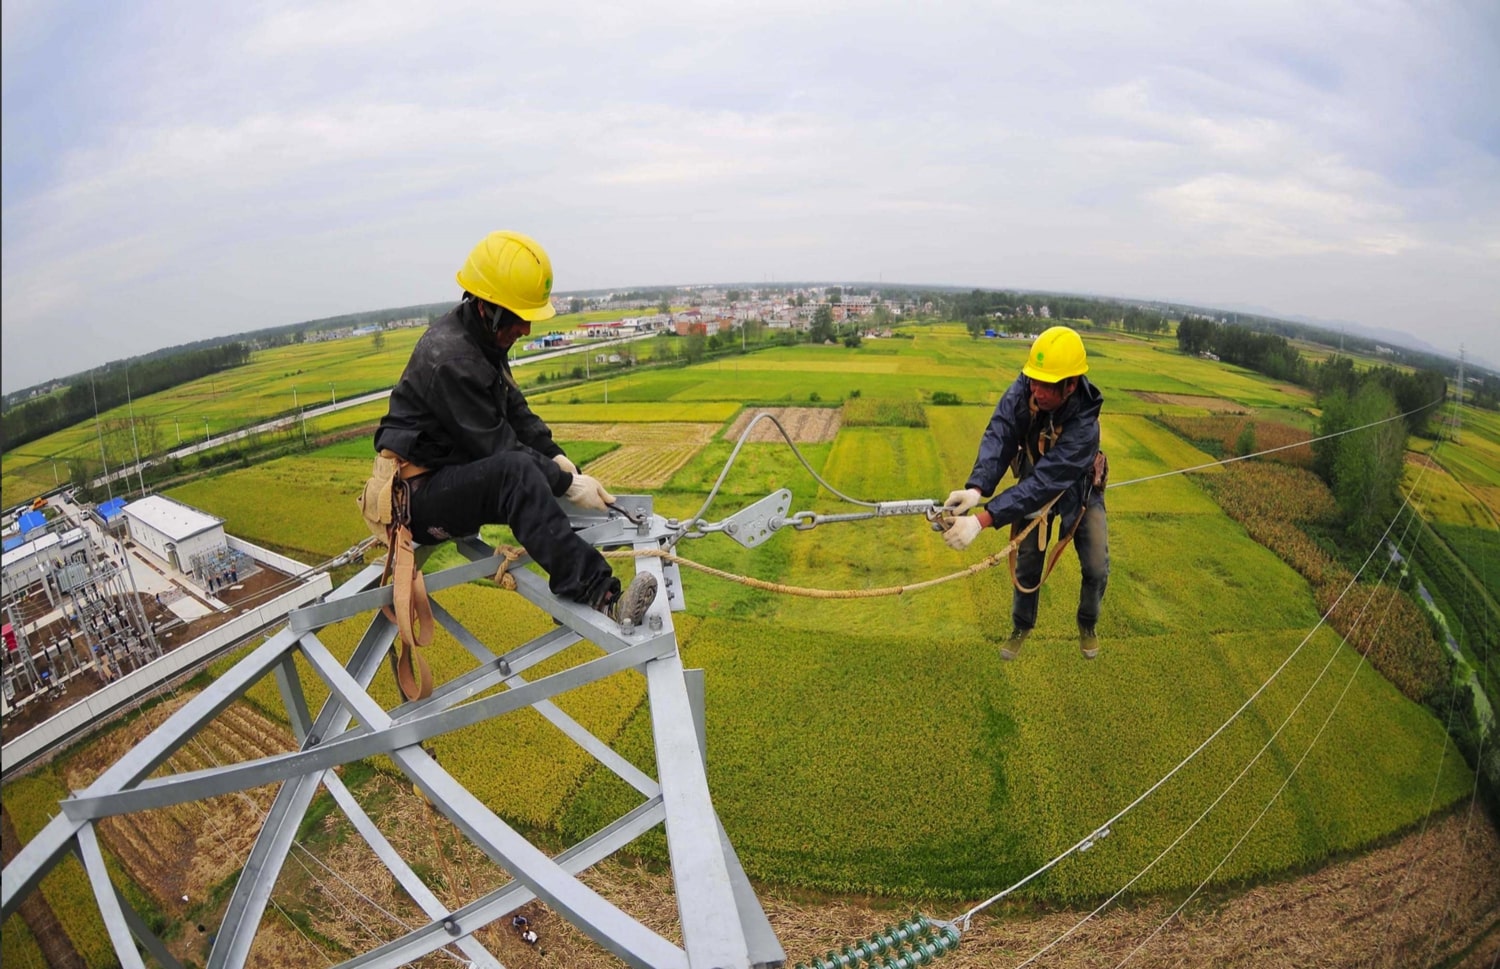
(1089, 839)
(1333, 655)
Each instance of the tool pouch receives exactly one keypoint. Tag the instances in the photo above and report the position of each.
(376, 503)
(384, 503)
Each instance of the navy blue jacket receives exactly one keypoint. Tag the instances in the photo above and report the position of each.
(457, 402)
(1010, 441)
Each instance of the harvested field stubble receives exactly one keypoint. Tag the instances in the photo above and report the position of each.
(188, 848)
(1225, 431)
(649, 454)
(1216, 405)
(805, 425)
(1425, 898)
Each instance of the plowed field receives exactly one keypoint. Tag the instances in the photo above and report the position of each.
(806, 425)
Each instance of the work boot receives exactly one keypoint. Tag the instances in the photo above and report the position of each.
(1088, 643)
(1012, 647)
(631, 605)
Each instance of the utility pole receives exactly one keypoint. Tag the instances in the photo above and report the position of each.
(102, 457)
(134, 444)
(1458, 412)
(177, 423)
(300, 416)
(333, 395)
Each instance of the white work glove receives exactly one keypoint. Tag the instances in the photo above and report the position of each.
(561, 460)
(587, 492)
(962, 532)
(960, 502)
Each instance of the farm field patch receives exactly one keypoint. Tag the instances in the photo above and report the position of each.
(1216, 405)
(557, 414)
(662, 433)
(805, 425)
(1439, 495)
(189, 848)
(880, 745)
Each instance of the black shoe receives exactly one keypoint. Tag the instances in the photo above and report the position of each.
(631, 605)
(1012, 647)
(1088, 643)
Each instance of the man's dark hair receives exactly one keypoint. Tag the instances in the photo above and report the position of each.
(499, 318)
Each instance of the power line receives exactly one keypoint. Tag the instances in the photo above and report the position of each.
(1103, 829)
(1333, 654)
(1272, 450)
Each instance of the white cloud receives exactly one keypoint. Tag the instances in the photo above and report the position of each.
(1285, 215)
(255, 165)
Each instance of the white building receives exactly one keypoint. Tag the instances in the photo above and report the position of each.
(25, 564)
(174, 532)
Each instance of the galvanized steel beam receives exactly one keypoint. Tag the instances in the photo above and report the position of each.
(581, 905)
(109, 903)
(508, 897)
(253, 889)
(401, 871)
(196, 785)
(711, 929)
(723, 924)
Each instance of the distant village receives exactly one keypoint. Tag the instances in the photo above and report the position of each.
(708, 310)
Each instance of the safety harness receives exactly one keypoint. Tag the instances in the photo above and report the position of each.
(1026, 458)
(385, 504)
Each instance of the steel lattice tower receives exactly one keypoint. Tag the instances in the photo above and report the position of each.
(723, 924)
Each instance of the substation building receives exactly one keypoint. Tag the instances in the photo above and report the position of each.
(70, 608)
(191, 541)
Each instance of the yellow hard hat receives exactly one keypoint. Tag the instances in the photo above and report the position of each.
(1056, 355)
(513, 271)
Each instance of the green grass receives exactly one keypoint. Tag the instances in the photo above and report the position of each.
(881, 746)
(18, 947)
(31, 802)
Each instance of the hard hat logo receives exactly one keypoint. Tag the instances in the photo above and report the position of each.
(1057, 355)
(511, 270)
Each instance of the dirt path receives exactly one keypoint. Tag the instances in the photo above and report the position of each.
(56, 947)
(1429, 898)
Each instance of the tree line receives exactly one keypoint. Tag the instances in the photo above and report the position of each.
(1362, 468)
(76, 402)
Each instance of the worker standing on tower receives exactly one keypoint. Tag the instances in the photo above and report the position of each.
(1046, 430)
(460, 433)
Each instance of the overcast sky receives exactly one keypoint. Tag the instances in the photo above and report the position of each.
(180, 170)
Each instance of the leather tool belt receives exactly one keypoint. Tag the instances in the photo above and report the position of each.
(385, 505)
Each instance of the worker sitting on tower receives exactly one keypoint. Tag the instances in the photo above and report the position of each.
(1046, 430)
(472, 451)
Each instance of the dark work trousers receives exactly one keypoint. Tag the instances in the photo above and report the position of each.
(1092, 542)
(509, 488)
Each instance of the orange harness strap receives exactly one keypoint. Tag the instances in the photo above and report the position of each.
(1100, 479)
(410, 610)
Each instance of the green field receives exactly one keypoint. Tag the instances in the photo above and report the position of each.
(275, 382)
(881, 746)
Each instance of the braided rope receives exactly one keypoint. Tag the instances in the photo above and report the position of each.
(510, 554)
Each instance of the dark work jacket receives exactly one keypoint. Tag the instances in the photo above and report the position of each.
(457, 402)
(1067, 465)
